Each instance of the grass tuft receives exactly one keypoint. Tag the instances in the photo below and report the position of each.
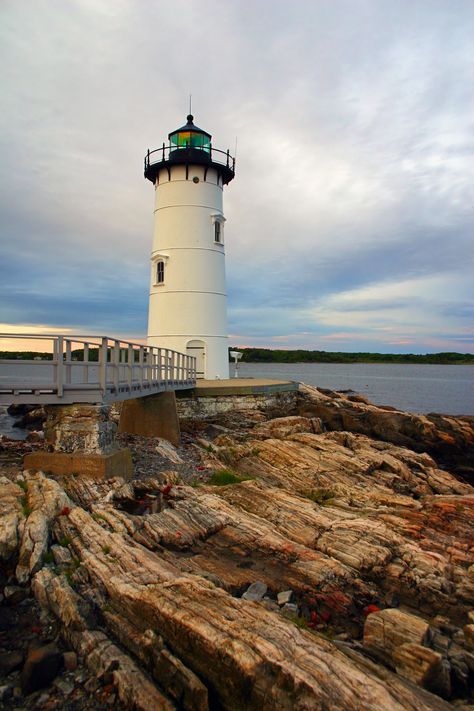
(223, 477)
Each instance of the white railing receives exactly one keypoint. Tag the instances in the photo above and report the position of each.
(87, 369)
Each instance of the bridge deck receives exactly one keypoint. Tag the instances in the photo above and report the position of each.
(75, 369)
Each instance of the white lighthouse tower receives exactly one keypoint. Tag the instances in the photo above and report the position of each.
(188, 301)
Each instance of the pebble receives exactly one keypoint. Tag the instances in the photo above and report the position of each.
(70, 661)
(255, 592)
(65, 686)
(14, 594)
(289, 609)
(284, 597)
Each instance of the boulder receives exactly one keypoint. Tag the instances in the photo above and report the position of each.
(387, 630)
(41, 666)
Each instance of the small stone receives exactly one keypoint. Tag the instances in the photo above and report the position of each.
(469, 635)
(65, 686)
(41, 667)
(469, 659)
(284, 597)
(270, 605)
(289, 610)
(43, 699)
(470, 616)
(61, 555)
(14, 594)
(70, 661)
(255, 592)
(91, 685)
(440, 642)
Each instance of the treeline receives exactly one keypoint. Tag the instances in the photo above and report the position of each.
(266, 355)
(25, 355)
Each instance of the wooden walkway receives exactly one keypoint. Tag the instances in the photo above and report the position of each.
(88, 369)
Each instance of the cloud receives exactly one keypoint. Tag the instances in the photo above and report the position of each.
(352, 206)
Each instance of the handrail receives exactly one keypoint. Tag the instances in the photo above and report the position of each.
(111, 368)
(209, 151)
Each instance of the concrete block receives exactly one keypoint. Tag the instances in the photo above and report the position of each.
(152, 416)
(93, 466)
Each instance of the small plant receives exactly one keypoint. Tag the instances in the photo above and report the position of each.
(23, 485)
(65, 541)
(320, 496)
(299, 621)
(229, 456)
(25, 507)
(223, 477)
(48, 558)
(106, 549)
(195, 484)
(209, 448)
(254, 452)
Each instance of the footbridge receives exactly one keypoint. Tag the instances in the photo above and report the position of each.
(65, 369)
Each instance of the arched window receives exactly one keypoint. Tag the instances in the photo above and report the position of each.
(160, 272)
(218, 222)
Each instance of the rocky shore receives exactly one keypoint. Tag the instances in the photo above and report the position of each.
(321, 558)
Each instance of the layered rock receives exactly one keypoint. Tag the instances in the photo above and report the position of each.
(446, 437)
(360, 549)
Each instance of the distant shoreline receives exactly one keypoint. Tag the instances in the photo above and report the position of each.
(296, 357)
(267, 355)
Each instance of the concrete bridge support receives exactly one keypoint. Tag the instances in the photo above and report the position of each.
(80, 439)
(152, 416)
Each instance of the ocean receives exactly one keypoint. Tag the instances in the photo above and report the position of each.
(445, 389)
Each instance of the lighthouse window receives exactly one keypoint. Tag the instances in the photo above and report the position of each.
(160, 272)
(217, 232)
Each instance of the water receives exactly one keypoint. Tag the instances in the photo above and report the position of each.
(6, 426)
(447, 389)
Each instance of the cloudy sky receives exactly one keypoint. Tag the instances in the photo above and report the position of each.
(350, 221)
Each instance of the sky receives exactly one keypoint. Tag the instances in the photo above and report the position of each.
(350, 219)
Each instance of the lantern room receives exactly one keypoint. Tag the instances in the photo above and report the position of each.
(190, 136)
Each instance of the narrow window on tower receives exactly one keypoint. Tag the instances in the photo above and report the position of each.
(160, 272)
(217, 232)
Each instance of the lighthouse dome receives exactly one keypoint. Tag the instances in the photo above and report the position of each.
(190, 136)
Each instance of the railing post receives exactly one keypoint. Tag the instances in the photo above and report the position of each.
(228, 157)
(140, 364)
(85, 359)
(130, 357)
(103, 365)
(116, 366)
(68, 361)
(159, 373)
(60, 366)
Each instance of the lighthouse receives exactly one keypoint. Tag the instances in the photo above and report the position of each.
(188, 300)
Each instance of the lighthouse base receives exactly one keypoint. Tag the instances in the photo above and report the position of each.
(211, 353)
